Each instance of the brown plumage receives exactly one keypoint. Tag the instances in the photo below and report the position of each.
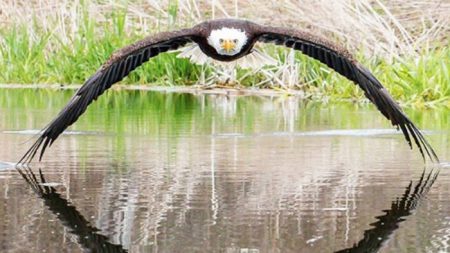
(125, 60)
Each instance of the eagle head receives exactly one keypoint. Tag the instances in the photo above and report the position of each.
(227, 41)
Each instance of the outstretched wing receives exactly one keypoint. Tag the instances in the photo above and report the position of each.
(342, 62)
(120, 64)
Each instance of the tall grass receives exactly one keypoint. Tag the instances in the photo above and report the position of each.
(404, 43)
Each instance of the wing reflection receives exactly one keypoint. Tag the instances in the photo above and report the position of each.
(88, 236)
(402, 207)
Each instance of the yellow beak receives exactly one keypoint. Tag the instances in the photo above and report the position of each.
(228, 45)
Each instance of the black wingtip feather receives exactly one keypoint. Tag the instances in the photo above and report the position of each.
(391, 110)
(28, 156)
(343, 63)
(405, 134)
(115, 69)
(428, 149)
(44, 147)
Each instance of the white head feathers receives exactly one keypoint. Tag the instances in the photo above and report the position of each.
(220, 39)
(232, 34)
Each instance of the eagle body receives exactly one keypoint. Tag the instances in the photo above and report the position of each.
(228, 40)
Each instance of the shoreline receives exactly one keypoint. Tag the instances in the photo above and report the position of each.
(217, 90)
(220, 90)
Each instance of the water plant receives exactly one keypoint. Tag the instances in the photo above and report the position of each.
(65, 44)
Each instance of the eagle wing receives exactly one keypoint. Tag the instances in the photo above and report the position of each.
(343, 62)
(120, 64)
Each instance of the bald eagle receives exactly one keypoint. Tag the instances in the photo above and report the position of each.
(228, 40)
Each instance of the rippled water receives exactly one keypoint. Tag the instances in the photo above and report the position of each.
(155, 172)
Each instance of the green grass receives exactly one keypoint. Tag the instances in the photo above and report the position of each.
(38, 56)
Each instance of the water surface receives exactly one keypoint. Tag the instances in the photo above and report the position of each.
(155, 172)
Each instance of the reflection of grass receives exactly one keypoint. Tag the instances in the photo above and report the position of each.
(34, 52)
(154, 111)
(139, 114)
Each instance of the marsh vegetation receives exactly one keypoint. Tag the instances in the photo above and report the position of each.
(404, 43)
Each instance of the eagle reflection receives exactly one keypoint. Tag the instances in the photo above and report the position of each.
(90, 240)
(402, 207)
(88, 236)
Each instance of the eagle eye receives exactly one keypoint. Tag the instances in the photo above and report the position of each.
(220, 40)
(235, 40)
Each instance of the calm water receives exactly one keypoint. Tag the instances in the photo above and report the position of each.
(154, 172)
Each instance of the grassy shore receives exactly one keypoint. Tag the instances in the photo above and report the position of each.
(39, 49)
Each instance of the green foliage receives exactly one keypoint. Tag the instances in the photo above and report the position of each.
(43, 57)
(31, 54)
(418, 82)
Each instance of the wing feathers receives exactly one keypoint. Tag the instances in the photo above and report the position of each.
(342, 62)
(115, 69)
(125, 60)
